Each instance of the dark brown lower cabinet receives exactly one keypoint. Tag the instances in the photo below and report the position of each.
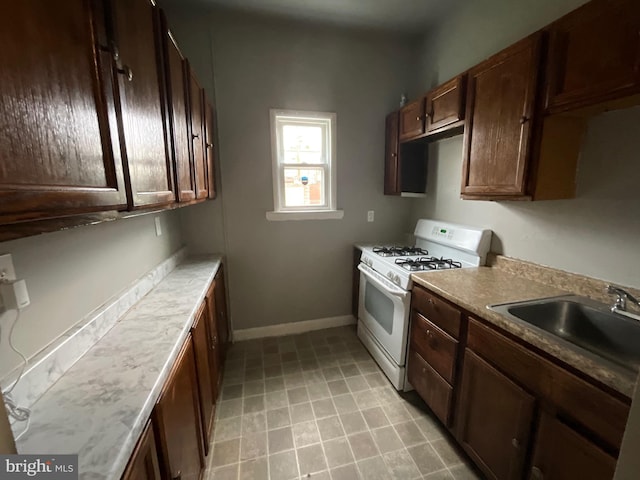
(144, 463)
(433, 389)
(561, 453)
(200, 338)
(495, 419)
(177, 419)
(221, 319)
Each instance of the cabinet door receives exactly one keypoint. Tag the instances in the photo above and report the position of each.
(201, 346)
(210, 146)
(391, 159)
(178, 114)
(196, 125)
(445, 105)
(500, 106)
(214, 342)
(594, 54)
(142, 102)
(57, 156)
(431, 387)
(177, 418)
(144, 463)
(412, 120)
(222, 320)
(494, 419)
(562, 453)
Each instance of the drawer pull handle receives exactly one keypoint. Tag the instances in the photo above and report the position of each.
(516, 443)
(536, 474)
(178, 476)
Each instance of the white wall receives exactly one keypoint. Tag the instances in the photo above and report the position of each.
(72, 272)
(595, 234)
(289, 271)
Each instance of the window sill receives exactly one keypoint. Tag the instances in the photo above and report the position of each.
(317, 215)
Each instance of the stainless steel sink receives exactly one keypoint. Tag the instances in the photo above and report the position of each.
(583, 323)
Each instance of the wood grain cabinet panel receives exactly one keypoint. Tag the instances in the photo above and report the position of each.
(495, 418)
(137, 50)
(215, 357)
(58, 156)
(445, 104)
(391, 156)
(222, 320)
(433, 389)
(196, 126)
(202, 351)
(500, 105)
(177, 419)
(144, 463)
(178, 115)
(594, 55)
(210, 145)
(437, 311)
(561, 453)
(434, 345)
(412, 120)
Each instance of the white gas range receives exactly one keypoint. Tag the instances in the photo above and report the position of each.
(385, 286)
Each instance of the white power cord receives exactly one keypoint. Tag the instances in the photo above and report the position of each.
(20, 414)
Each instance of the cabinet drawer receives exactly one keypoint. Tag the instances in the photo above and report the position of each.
(434, 345)
(437, 311)
(574, 398)
(433, 389)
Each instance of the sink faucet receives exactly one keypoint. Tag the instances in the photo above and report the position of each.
(620, 305)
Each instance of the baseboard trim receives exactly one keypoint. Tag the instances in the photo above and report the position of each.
(293, 328)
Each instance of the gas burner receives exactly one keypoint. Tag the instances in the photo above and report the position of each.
(427, 263)
(399, 251)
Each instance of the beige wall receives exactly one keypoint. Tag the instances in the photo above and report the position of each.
(597, 233)
(289, 271)
(70, 273)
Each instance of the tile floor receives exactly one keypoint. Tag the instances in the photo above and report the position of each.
(317, 406)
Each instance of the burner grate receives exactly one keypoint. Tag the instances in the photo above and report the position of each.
(427, 263)
(399, 251)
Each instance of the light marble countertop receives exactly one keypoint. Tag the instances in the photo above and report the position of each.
(475, 288)
(100, 406)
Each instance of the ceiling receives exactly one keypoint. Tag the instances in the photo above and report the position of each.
(407, 16)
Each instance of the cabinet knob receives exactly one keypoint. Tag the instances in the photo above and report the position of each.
(536, 474)
(515, 442)
(195, 135)
(178, 476)
(127, 72)
(424, 370)
(418, 118)
(209, 145)
(394, 155)
(524, 119)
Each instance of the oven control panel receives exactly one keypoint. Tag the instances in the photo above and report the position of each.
(442, 232)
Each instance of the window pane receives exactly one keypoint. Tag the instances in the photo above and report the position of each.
(303, 187)
(302, 144)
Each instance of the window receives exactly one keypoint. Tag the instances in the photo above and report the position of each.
(304, 165)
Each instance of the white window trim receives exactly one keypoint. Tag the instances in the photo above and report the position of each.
(327, 212)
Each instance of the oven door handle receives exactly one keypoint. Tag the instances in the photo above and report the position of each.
(381, 282)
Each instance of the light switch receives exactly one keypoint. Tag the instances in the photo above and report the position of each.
(370, 216)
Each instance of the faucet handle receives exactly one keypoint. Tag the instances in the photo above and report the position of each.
(623, 296)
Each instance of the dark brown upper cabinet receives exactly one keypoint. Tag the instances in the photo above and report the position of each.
(412, 120)
(137, 51)
(594, 55)
(445, 105)
(210, 146)
(178, 115)
(501, 98)
(59, 149)
(196, 128)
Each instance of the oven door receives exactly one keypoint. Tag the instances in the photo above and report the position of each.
(383, 308)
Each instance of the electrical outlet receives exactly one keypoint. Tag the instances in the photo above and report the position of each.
(7, 272)
(158, 227)
(370, 216)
